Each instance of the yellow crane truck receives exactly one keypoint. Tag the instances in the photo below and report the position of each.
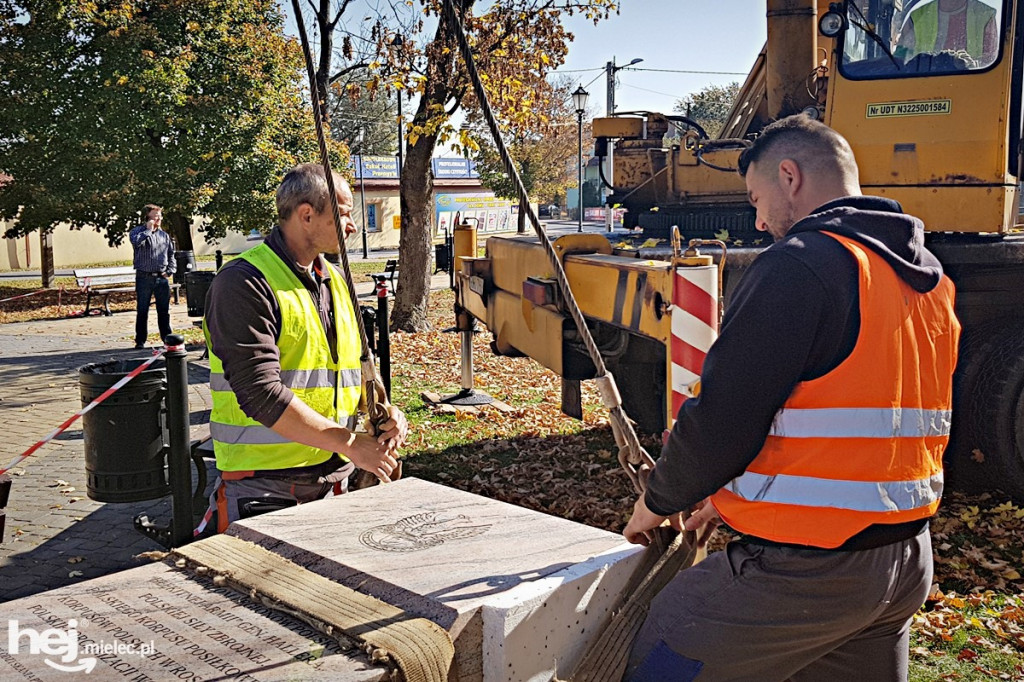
(935, 124)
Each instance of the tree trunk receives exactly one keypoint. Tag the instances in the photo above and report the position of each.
(416, 194)
(46, 257)
(521, 229)
(178, 227)
(416, 188)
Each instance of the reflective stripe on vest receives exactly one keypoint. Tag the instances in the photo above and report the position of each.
(328, 386)
(864, 496)
(926, 27)
(862, 444)
(257, 434)
(299, 379)
(860, 422)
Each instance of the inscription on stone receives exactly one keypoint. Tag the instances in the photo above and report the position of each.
(420, 531)
(157, 624)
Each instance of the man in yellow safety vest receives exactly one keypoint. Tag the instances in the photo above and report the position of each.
(285, 375)
(935, 26)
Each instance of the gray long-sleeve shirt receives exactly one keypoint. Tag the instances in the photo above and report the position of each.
(244, 322)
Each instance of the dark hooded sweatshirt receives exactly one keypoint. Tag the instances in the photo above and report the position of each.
(794, 317)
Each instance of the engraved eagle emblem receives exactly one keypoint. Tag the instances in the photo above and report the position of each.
(420, 531)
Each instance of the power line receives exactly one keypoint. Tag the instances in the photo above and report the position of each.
(627, 85)
(712, 73)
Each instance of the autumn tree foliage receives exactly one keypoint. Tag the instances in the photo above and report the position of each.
(543, 147)
(709, 106)
(192, 104)
(516, 45)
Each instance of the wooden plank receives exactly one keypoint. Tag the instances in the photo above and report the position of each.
(92, 272)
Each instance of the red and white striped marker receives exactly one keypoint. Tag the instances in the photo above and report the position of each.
(157, 354)
(694, 328)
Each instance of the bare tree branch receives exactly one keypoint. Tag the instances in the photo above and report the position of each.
(346, 71)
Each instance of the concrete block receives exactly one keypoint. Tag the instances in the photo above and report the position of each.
(521, 592)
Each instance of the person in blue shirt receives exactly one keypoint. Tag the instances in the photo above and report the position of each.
(154, 265)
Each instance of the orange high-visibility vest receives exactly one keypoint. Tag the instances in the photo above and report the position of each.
(862, 444)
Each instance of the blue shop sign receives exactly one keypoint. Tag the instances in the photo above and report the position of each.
(454, 168)
(375, 167)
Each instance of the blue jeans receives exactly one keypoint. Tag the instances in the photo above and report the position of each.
(149, 286)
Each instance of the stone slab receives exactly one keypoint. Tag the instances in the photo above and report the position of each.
(521, 592)
(158, 623)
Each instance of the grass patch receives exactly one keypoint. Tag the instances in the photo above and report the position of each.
(976, 637)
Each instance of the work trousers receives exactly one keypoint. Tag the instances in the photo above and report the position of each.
(243, 498)
(756, 612)
(147, 286)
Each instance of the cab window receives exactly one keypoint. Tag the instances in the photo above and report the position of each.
(894, 38)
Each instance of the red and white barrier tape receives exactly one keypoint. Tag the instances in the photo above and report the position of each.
(157, 354)
(31, 293)
(205, 522)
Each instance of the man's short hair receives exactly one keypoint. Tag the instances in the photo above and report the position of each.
(304, 184)
(814, 147)
(148, 208)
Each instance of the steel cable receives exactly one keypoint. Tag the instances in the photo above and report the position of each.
(632, 456)
(376, 397)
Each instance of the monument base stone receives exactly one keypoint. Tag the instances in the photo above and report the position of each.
(158, 623)
(521, 594)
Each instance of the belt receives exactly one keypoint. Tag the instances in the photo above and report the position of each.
(151, 274)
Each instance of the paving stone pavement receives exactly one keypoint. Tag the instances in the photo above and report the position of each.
(48, 524)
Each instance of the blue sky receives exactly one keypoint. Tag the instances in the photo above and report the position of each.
(676, 35)
(685, 45)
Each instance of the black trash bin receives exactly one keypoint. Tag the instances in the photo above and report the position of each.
(196, 285)
(442, 257)
(186, 262)
(124, 444)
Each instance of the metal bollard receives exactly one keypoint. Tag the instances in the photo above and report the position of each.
(5, 493)
(383, 336)
(179, 471)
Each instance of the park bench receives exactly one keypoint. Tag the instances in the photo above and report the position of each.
(390, 272)
(106, 281)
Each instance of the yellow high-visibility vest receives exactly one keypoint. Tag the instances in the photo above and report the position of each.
(331, 388)
(926, 27)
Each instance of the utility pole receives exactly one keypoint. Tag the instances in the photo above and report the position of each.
(610, 71)
(362, 191)
(609, 111)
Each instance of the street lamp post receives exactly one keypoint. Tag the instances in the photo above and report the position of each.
(362, 191)
(400, 132)
(398, 41)
(579, 100)
(611, 69)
